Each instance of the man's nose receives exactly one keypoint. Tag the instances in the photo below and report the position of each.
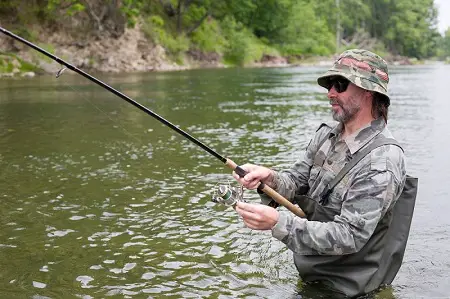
(332, 93)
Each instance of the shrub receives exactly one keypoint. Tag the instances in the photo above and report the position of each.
(208, 37)
(174, 45)
(242, 47)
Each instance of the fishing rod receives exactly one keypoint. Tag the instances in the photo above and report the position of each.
(229, 163)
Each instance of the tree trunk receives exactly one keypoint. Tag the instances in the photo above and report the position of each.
(196, 25)
(179, 15)
(106, 18)
(168, 8)
(96, 19)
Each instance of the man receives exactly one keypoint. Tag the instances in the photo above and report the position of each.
(342, 242)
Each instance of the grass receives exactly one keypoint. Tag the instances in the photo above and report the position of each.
(10, 63)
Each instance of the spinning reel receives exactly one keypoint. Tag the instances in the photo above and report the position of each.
(227, 194)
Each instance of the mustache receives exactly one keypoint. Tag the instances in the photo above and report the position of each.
(335, 102)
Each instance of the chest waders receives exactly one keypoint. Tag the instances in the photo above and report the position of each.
(378, 262)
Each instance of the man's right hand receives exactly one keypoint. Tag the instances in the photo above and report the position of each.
(255, 175)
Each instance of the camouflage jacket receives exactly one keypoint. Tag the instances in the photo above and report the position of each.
(363, 196)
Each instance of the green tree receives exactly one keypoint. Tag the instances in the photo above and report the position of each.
(244, 30)
(411, 27)
(446, 43)
(265, 18)
(305, 33)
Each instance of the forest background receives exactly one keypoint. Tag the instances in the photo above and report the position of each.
(145, 35)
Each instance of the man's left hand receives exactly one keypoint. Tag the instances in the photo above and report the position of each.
(257, 216)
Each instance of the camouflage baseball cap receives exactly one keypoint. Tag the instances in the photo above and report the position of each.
(361, 67)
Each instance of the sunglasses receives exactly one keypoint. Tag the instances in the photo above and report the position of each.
(340, 84)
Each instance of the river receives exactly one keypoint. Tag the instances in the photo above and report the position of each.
(98, 199)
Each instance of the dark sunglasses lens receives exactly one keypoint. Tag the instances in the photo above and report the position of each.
(339, 84)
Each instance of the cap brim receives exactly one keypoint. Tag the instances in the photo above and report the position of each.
(324, 82)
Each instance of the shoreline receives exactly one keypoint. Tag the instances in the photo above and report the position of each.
(45, 67)
(130, 53)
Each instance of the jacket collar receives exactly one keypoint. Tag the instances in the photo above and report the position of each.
(360, 138)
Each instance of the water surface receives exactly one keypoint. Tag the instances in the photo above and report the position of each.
(98, 199)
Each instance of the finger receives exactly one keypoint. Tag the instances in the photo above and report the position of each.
(247, 206)
(256, 212)
(251, 224)
(243, 170)
(253, 180)
(247, 167)
(253, 184)
(248, 216)
(240, 180)
(244, 182)
(251, 176)
(244, 214)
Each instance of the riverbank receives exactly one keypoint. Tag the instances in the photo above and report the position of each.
(131, 52)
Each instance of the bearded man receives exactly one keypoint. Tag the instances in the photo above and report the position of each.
(343, 243)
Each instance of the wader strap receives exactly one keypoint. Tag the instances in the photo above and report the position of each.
(359, 155)
(305, 189)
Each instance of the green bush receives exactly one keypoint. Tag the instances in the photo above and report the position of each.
(132, 10)
(6, 65)
(174, 45)
(27, 67)
(208, 37)
(238, 51)
(9, 61)
(242, 47)
(25, 33)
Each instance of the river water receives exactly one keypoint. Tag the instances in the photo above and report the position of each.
(98, 199)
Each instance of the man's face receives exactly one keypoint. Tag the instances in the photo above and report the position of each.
(345, 104)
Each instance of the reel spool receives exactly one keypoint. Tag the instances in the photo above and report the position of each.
(227, 195)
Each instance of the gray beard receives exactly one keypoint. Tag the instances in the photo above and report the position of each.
(348, 112)
(346, 115)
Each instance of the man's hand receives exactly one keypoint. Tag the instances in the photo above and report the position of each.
(255, 175)
(257, 216)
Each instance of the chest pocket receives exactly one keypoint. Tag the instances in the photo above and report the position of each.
(319, 160)
(328, 162)
(335, 196)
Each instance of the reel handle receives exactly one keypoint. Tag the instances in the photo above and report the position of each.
(269, 191)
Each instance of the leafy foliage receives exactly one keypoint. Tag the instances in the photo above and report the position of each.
(445, 46)
(208, 37)
(9, 63)
(131, 9)
(244, 30)
(242, 46)
(302, 36)
(175, 45)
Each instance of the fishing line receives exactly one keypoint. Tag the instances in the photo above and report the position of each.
(125, 131)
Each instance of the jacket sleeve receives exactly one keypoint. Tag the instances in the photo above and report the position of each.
(370, 195)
